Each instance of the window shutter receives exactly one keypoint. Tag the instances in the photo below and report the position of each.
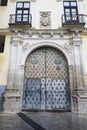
(4, 2)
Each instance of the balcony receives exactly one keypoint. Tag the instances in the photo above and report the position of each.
(18, 20)
(74, 21)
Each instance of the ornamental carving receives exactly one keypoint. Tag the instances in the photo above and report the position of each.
(25, 46)
(45, 20)
(68, 47)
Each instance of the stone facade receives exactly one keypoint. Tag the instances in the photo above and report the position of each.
(23, 43)
(46, 28)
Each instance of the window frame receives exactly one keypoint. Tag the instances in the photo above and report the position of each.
(72, 14)
(3, 2)
(22, 9)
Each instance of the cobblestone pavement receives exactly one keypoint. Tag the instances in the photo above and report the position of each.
(43, 121)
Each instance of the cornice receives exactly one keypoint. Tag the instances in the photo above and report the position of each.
(41, 33)
(47, 31)
(5, 31)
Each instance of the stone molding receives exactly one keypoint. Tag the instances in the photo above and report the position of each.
(5, 31)
(43, 33)
(41, 44)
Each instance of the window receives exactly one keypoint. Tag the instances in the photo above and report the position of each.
(22, 12)
(2, 42)
(70, 11)
(3, 2)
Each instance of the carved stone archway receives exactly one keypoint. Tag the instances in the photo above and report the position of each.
(53, 45)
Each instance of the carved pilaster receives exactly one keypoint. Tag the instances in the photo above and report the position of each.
(77, 43)
(15, 54)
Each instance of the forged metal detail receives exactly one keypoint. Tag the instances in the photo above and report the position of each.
(46, 84)
(34, 60)
(57, 60)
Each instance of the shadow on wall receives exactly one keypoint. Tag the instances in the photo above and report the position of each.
(2, 90)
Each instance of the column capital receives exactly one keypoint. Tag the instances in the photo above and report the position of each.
(76, 39)
(16, 39)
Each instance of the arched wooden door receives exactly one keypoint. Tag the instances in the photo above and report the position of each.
(46, 81)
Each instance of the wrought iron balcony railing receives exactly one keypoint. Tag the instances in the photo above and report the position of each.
(73, 20)
(17, 19)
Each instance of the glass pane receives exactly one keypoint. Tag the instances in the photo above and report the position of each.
(18, 18)
(25, 18)
(26, 5)
(74, 14)
(74, 17)
(68, 18)
(19, 5)
(19, 11)
(73, 3)
(73, 10)
(25, 12)
(66, 3)
(67, 10)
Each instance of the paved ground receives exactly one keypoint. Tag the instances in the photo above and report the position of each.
(43, 121)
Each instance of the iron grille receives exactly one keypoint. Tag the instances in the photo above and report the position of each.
(20, 19)
(72, 20)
